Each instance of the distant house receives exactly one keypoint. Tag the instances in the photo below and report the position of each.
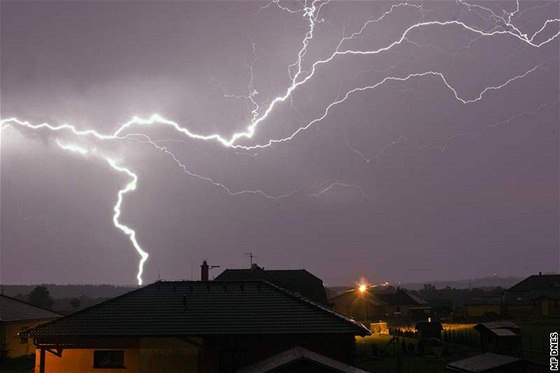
(483, 307)
(537, 295)
(17, 316)
(500, 337)
(360, 305)
(367, 305)
(298, 281)
(192, 326)
(404, 303)
(488, 363)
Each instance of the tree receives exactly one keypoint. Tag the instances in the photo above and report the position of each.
(75, 303)
(40, 297)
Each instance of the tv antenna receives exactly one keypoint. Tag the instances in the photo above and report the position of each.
(251, 256)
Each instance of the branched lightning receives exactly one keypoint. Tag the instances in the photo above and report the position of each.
(298, 78)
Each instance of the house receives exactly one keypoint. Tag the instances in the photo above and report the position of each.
(17, 316)
(500, 337)
(366, 305)
(404, 303)
(361, 305)
(488, 363)
(297, 281)
(300, 360)
(193, 326)
(537, 295)
(483, 307)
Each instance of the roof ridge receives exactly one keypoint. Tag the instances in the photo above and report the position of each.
(320, 306)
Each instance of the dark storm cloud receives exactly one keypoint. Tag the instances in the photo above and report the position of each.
(417, 185)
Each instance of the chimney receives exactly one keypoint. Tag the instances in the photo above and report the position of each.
(540, 273)
(204, 271)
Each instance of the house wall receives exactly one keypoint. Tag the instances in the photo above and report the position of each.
(519, 310)
(477, 310)
(153, 355)
(547, 307)
(81, 361)
(13, 341)
(208, 355)
(169, 355)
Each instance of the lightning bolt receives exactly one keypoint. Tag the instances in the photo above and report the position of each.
(298, 78)
(128, 188)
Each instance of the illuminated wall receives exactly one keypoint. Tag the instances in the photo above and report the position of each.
(154, 355)
(14, 343)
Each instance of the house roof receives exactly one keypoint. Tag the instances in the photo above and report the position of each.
(196, 308)
(398, 298)
(532, 288)
(354, 296)
(295, 280)
(12, 309)
(294, 355)
(537, 282)
(482, 362)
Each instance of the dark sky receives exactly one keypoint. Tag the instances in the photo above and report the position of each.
(403, 182)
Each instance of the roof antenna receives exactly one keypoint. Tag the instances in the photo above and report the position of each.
(251, 256)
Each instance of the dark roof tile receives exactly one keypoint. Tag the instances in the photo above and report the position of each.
(12, 309)
(203, 308)
(295, 280)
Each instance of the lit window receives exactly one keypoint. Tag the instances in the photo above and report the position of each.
(108, 359)
(23, 337)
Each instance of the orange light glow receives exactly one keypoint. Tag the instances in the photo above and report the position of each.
(362, 288)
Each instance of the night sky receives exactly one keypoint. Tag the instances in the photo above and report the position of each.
(451, 173)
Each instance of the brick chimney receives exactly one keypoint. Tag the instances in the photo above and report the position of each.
(204, 269)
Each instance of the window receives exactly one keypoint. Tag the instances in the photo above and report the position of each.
(108, 359)
(23, 337)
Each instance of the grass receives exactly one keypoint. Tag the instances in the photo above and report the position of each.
(534, 342)
(535, 338)
(389, 355)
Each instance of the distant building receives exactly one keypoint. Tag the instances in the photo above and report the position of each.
(297, 281)
(367, 305)
(429, 329)
(193, 326)
(488, 363)
(404, 303)
(483, 307)
(500, 337)
(537, 295)
(17, 316)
